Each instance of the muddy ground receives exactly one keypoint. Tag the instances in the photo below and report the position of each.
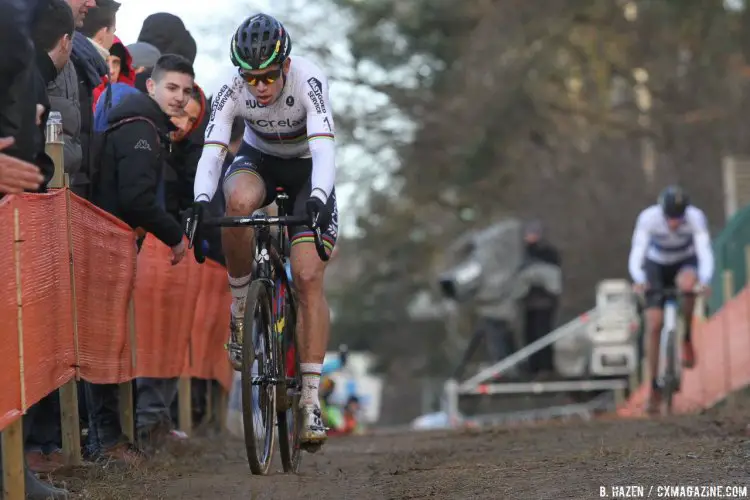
(551, 461)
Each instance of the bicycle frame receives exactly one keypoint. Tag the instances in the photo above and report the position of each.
(669, 372)
(670, 344)
(269, 287)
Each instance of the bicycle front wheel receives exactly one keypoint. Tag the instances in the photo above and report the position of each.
(259, 378)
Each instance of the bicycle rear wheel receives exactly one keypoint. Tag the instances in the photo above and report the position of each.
(288, 415)
(258, 378)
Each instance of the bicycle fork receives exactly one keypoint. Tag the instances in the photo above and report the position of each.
(668, 330)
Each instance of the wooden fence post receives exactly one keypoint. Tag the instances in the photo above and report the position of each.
(70, 419)
(14, 486)
(127, 406)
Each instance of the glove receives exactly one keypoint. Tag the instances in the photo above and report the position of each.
(318, 211)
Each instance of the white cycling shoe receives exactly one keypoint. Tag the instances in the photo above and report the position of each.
(234, 347)
(313, 432)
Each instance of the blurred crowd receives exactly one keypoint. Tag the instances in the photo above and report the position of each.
(133, 120)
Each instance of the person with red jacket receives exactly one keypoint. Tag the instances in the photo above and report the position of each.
(121, 70)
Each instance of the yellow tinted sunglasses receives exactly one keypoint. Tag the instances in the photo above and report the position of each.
(268, 77)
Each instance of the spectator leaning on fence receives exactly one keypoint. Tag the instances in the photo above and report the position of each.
(155, 395)
(136, 148)
(133, 154)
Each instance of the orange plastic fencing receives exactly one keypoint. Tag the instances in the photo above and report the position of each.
(53, 331)
(10, 390)
(722, 347)
(104, 253)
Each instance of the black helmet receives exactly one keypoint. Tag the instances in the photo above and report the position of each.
(674, 201)
(259, 42)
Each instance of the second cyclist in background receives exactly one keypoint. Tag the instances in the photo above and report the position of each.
(671, 247)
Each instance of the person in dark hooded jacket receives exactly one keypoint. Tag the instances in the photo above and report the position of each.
(136, 147)
(134, 151)
(169, 35)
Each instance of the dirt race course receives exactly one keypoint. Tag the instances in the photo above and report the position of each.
(552, 461)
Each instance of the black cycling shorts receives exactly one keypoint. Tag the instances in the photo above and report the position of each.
(660, 276)
(293, 175)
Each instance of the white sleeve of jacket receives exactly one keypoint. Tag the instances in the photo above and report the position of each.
(218, 133)
(638, 249)
(703, 248)
(320, 137)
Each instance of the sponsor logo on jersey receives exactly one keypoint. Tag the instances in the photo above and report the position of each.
(253, 104)
(316, 95)
(290, 101)
(221, 100)
(285, 123)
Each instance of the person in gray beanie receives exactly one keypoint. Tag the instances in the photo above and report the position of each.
(144, 55)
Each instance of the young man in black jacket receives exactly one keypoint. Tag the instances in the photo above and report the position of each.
(129, 185)
(135, 150)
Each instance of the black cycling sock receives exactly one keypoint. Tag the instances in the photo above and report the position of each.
(654, 384)
(688, 330)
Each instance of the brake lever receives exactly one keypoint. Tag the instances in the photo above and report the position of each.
(318, 238)
(192, 229)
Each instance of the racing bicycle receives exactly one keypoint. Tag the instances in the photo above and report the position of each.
(271, 376)
(669, 373)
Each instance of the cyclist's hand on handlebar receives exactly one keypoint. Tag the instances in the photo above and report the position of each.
(640, 288)
(195, 215)
(317, 211)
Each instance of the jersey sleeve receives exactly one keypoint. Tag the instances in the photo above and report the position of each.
(638, 248)
(703, 249)
(320, 136)
(224, 108)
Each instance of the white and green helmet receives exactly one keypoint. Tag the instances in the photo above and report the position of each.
(259, 42)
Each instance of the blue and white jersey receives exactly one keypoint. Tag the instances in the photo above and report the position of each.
(653, 240)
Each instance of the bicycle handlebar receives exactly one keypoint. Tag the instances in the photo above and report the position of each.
(673, 291)
(258, 220)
